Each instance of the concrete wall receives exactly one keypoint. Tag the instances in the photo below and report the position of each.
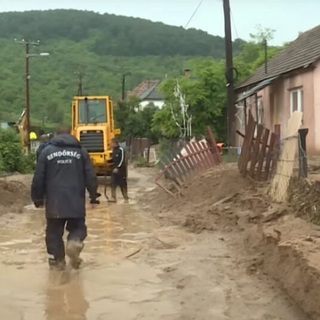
(276, 103)
(281, 104)
(316, 102)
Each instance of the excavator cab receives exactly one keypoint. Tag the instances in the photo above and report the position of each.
(93, 126)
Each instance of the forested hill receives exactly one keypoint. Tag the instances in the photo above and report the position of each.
(100, 46)
(107, 34)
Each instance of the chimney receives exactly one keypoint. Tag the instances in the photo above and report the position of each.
(187, 73)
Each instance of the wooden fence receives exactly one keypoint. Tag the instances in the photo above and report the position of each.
(259, 152)
(198, 157)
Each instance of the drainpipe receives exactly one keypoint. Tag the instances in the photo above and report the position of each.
(245, 113)
(257, 111)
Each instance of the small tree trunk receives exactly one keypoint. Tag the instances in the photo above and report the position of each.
(148, 152)
(140, 149)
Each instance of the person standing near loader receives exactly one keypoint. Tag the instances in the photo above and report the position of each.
(63, 173)
(44, 140)
(119, 172)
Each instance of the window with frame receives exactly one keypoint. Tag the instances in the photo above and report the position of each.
(296, 100)
(92, 111)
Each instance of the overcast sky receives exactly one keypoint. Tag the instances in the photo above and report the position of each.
(287, 17)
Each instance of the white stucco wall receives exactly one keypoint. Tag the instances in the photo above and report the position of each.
(158, 103)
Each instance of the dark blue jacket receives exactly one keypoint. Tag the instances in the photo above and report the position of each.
(63, 173)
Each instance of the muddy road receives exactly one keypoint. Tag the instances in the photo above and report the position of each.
(133, 269)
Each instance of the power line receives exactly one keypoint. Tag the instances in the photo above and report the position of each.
(234, 24)
(193, 14)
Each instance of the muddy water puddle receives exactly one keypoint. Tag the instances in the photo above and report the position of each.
(108, 286)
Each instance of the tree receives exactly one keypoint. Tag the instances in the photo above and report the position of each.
(134, 121)
(204, 95)
(102, 47)
(52, 111)
(262, 34)
(12, 158)
(147, 114)
(252, 54)
(108, 34)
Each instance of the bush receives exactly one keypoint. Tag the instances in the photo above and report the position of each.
(140, 162)
(12, 158)
(168, 149)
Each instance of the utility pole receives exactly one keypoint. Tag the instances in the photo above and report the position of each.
(27, 75)
(265, 44)
(231, 108)
(27, 84)
(124, 85)
(80, 83)
(80, 88)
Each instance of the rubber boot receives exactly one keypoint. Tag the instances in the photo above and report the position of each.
(125, 196)
(57, 264)
(73, 250)
(113, 195)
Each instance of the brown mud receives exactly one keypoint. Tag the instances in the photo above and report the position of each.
(15, 193)
(271, 238)
(156, 258)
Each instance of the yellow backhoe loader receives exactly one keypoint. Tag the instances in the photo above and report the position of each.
(93, 126)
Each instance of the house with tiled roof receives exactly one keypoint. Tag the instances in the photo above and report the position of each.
(142, 87)
(288, 82)
(148, 92)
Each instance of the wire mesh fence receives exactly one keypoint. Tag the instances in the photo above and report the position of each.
(302, 153)
(265, 157)
(183, 161)
(304, 188)
(291, 166)
(168, 150)
(295, 156)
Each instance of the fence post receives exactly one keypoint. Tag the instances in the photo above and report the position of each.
(303, 164)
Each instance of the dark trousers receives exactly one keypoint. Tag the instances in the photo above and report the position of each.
(54, 232)
(119, 179)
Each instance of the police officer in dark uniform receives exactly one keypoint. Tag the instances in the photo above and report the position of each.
(63, 173)
(119, 172)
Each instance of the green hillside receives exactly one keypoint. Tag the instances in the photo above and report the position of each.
(111, 35)
(102, 47)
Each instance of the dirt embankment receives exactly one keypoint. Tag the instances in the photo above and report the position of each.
(15, 193)
(219, 198)
(277, 241)
(304, 199)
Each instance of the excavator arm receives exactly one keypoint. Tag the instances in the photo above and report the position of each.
(21, 128)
